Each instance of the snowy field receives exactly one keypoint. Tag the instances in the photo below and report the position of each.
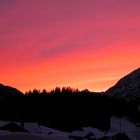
(37, 132)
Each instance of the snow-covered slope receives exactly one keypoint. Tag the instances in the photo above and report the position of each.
(118, 125)
(128, 87)
(24, 136)
(123, 125)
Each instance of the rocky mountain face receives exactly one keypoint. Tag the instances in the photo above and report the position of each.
(128, 87)
(7, 91)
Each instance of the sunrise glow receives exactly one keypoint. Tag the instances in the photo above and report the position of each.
(77, 43)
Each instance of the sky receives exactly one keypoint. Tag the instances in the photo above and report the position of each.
(78, 43)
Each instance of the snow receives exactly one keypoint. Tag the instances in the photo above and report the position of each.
(32, 127)
(4, 132)
(37, 133)
(49, 132)
(97, 133)
(24, 136)
(3, 123)
(127, 87)
(86, 130)
(123, 125)
(118, 125)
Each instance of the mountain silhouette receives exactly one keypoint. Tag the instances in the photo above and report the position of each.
(7, 91)
(127, 87)
(68, 109)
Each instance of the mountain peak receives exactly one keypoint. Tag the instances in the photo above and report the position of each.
(127, 87)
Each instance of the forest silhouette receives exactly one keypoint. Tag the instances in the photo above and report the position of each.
(66, 108)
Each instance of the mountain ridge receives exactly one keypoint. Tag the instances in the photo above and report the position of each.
(127, 87)
(8, 91)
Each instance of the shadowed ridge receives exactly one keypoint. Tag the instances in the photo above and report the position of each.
(7, 91)
(127, 87)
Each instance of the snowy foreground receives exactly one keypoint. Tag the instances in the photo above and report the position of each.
(37, 132)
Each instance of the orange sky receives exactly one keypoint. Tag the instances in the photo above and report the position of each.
(83, 44)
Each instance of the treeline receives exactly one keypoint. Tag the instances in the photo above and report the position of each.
(66, 108)
(58, 90)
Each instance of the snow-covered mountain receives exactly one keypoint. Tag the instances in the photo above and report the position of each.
(128, 87)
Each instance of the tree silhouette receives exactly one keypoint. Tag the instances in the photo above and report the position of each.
(66, 108)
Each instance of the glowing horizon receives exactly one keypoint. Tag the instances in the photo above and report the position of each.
(81, 44)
